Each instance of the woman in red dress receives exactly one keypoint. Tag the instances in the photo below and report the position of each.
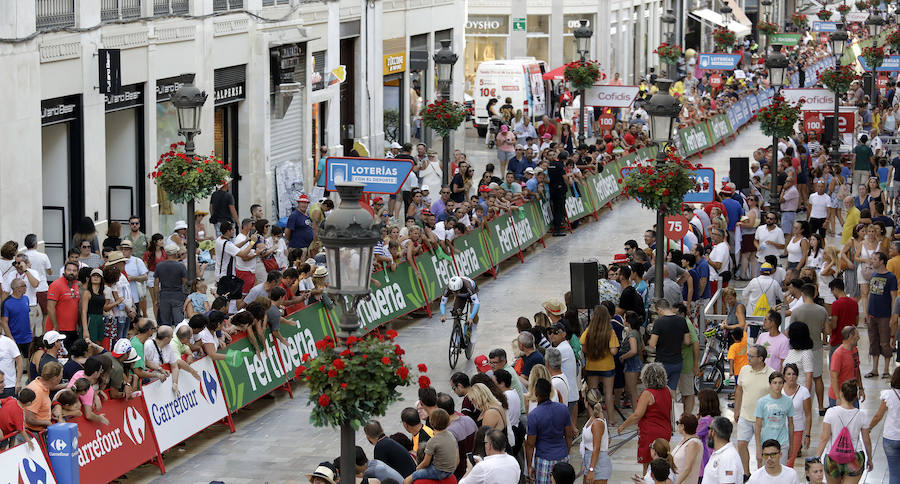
(653, 412)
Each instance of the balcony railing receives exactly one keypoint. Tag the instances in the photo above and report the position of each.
(272, 3)
(119, 9)
(54, 14)
(224, 5)
(171, 7)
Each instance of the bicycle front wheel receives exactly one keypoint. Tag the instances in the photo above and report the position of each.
(470, 346)
(456, 340)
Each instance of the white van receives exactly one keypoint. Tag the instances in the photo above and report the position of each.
(519, 79)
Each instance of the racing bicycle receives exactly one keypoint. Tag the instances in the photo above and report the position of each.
(460, 336)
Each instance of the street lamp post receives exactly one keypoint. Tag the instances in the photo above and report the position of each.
(874, 24)
(668, 23)
(766, 5)
(662, 109)
(777, 64)
(444, 60)
(349, 235)
(188, 101)
(582, 35)
(838, 40)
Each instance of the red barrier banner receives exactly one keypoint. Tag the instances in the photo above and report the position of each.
(105, 452)
(25, 465)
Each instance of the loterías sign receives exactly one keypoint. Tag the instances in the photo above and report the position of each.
(813, 99)
(610, 96)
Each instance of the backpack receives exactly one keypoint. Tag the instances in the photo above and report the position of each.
(842, 450)
(762, 306)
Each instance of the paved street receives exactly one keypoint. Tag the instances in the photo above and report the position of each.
(275, 442)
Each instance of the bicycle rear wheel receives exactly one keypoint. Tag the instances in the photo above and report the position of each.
(711, 376)
(456, 340)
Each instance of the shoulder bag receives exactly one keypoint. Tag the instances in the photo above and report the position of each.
(229, 285)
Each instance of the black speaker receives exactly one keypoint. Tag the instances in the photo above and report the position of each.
(585, 287)
(868, 81)
(739, 172)
(828, 135)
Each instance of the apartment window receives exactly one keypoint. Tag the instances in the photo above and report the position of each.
(170, 7)
(54, 14)
(119, 9)
(223, 5)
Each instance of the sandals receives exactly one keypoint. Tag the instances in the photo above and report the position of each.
(885, 376)
(871, 374)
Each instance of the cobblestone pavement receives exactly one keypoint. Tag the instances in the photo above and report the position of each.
(276, 443)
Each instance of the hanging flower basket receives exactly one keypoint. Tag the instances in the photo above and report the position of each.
(185, 178)
(874, 56)
(668, 53)
(582, 75)
(767, 28)
(356, 384)
(445, 116)
(723, 38)
(824, 14)
(893, 39)
(799, 20)
(862, 5)
(843, 9)
(778, 119)
(660, 187)
(838, 79)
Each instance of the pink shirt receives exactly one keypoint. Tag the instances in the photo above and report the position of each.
(88, 398)
(506, 141)
(776, 346)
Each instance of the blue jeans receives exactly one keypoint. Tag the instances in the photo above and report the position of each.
(892, 452)
(832, 402)
(122, 324)
(673, 373)
(430, 473)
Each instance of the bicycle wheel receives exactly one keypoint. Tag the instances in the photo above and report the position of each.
(711, 376)
(470, 346)
(456, 340)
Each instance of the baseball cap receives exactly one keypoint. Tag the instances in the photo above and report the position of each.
(51, 337)
(546, 136)
(482, 364)
(122, 347)
(766, 268)
(494, 186)
(483, 189)
(727, 189)
(529, 170)
(425, 188)
(395, 145)
(620, 259)
(425, 211)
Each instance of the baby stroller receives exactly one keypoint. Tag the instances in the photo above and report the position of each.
(493, 130)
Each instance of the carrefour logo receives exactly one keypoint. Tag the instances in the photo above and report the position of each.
(134, 424)
(210, 389)
(58, 445)
(30, 472)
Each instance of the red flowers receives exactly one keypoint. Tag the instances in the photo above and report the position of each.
(343, 385)
(346, 353)
(306, 357)
(352, 340)
(339, 364)
(321, 344)
(385, 360)
(391, 334)
(299, 371)
(402, 372)
(424, 382)
(422, 368)
(332, 373)
(324, 400)
(399, 351)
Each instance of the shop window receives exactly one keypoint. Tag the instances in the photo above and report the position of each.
(538, 24)
(480, 49)
(538, 47)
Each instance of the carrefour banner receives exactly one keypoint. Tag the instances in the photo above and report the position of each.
(313, 324)
(25, 465)
(106, 452)
(248, 375)
(197, 404)
(470, 255)
(394, 293)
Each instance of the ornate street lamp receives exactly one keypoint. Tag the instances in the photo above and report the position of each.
(874, 24)
(188, 101)
(349, 235)
(777, 64)
(444, 60)
(838, 40)
(662, 109)
(668, 29)
(583, 35)
(766, 5)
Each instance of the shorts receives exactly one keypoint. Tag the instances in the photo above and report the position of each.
(249, 279)
(603, 466)
(852, 469)
(37, 320)
(505, 155)
(686, 384)
(879, 336)
(600, 373)
(745, 429)
(747, 243)
(818, 359)
(895, 189)
(633, 364)
(673, 372)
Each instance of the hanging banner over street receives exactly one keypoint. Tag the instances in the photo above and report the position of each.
(725, 62)
(823, 26)
(891, 64)
(379, 175)
(785, 39)
(857, 16)
(610, 96)
(813, 99)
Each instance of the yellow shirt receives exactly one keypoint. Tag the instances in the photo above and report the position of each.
(755, 385)
(850, 222)
(606, 363)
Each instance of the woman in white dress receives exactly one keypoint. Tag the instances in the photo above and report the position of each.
(688, 455)
(802, 401)
(801, 352)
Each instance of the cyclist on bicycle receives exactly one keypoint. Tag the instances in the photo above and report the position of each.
(464, 290)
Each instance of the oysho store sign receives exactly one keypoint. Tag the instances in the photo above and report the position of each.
(611, 96)
(487, 24)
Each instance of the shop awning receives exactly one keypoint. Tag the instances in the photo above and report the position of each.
(715, 19)
(556, 74)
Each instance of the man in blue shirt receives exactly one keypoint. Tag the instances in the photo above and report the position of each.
(14, 316)
(300, 231)
(701, 286)
(733, 208)
(519, 163)
(550, 434)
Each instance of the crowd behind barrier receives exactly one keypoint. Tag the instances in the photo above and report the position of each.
(141, 429)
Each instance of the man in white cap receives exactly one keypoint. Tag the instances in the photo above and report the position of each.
(171, 277)
(137, 274)
(123, 288)
(394, 150)
(179, 234)
(51, 343)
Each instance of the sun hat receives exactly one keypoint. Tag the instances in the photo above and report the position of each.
(125, 243)
(115, 257)
(323, 472)
(181, 224)
(321, 271)
(554, 307)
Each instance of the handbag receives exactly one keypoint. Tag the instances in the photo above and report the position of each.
(229, 285)
(270, 263)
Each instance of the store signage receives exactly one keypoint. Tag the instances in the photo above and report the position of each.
(725, 62)
(573, 20)
(177, 416)
(165, 88)
(105, 452)
(25, 465)
(60, 110)
(128, 97)
(823, 26)
(110, 67)
(813, 99)
(284, 59)
(788, 40)
(394, 63)
(487, 24)
(230, 94)
(890, 64)
(518, 24)
(377, 174)
(705, 183)
(857, 16)
(610, 96)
